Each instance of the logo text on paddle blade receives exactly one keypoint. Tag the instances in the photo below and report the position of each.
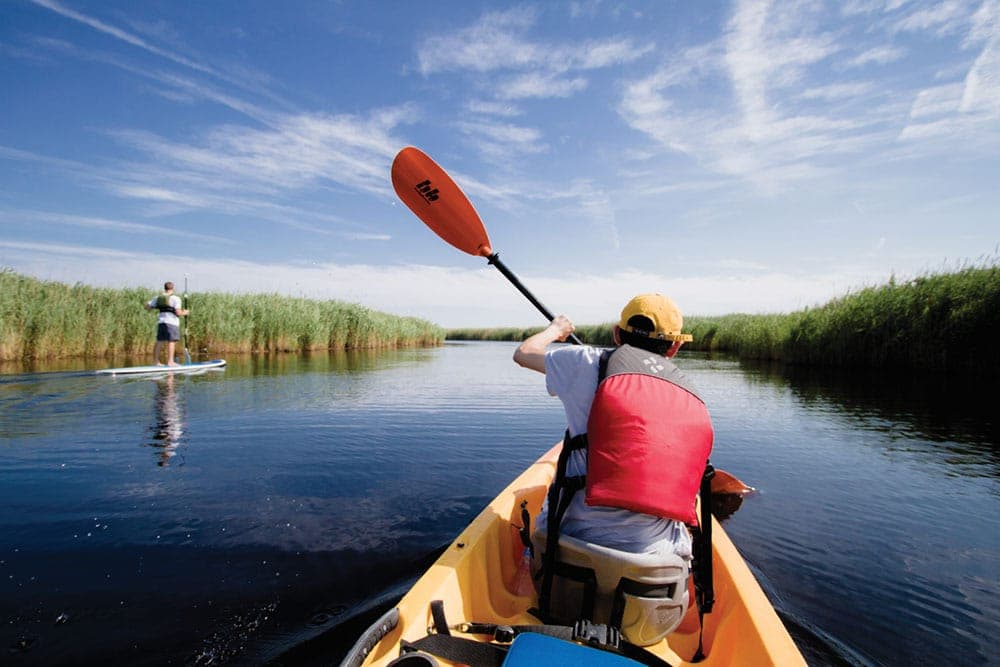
(427, 191)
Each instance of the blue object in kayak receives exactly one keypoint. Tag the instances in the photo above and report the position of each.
(530, 649)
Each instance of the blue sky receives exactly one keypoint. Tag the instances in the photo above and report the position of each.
(741, 157)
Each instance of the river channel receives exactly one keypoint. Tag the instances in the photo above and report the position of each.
(262, 512)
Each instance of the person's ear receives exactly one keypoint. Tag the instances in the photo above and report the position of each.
(614, 334)
(674, 348)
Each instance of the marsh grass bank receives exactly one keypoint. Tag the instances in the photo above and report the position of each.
(942, 322)
(47, 320)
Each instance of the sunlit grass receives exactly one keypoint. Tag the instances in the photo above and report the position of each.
(945, 321)
(40, 319)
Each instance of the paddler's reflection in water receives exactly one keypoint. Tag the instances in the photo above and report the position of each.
(169, 426)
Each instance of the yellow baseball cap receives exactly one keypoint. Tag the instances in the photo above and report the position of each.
(661, 311)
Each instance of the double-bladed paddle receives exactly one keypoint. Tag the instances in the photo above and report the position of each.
(436, 199)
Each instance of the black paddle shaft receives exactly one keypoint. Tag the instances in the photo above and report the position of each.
(494, 259)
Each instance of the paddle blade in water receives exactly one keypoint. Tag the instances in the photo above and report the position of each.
(725, 483)
(433, 197)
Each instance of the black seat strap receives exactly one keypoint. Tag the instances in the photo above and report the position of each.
(440, 622)
(602, 366)
(704, 585)
(458, 649)
(558, 500)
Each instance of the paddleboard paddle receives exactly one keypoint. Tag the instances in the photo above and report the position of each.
(184, 304)
(436, 199)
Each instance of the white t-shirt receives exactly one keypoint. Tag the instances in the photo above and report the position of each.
(167, 317)
(571, 375)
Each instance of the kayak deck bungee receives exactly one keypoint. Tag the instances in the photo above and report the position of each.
(480, 578)
(150, 370)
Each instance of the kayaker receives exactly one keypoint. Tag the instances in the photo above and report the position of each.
(168, 322)
(635, 509)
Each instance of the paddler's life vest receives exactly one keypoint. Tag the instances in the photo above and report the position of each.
(648, 437)
(163, 304)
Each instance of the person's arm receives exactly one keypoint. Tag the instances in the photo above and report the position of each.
(531, 353)
(178, 310)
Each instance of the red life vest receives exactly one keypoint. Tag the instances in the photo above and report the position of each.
(649, 436)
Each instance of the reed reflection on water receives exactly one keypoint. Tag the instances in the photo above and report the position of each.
(288, 495)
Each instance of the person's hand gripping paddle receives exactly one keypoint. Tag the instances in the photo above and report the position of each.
(436, 199)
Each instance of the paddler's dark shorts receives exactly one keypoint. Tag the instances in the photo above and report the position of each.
(168, 332)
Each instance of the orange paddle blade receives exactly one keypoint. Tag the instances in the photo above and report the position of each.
(723, 482)
(433, 197)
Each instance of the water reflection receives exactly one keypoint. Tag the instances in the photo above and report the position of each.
(887, 489)
(954, 419)
(169, 425)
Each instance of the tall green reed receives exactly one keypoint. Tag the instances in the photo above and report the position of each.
(42, 319)
(943, 322)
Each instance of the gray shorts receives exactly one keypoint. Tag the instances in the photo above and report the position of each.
(168, 332)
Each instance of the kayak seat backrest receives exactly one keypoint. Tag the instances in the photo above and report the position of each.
(644, 595)
(529, 650)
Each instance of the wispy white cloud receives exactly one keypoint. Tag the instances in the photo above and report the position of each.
(837, 91)
(493, 108)
(940, 18)
(763, 103)
(588, 8)
(494, 42)
(768, 49)
(362, 236)
(879, 55)
(299, 150)
(539, 85)
(258, 169)
(20, 155)
(969, 108)
(498, 41)
(244, 170)
(505, 61)
(860, 7)
(18, 216)
(120, 34)
(598, 209)
(179, 178)
(40, 254)
(500, 141)
(247, 81)
(171, 85)
(936, 101)
(985, 23)
(982, 84)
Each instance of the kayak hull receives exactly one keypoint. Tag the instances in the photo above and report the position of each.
(153, 370)
(478, 578)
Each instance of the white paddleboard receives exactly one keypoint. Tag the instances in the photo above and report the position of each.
(181, 368)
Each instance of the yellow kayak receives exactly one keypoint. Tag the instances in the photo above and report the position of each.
(480, 579)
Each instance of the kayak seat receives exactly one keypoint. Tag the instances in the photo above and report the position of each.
(644, 595)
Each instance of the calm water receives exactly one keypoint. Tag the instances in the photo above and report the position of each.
(263, 512)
